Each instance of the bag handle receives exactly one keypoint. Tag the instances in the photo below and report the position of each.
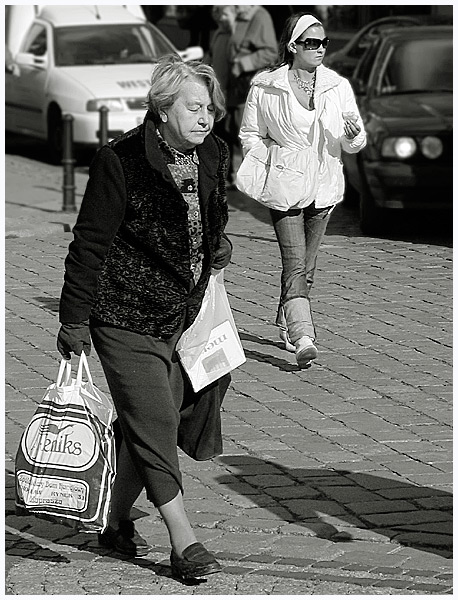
(216, 272)
(64, 367)
(79, 374)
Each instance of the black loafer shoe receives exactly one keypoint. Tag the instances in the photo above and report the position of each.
(125, 539)
(196, 562)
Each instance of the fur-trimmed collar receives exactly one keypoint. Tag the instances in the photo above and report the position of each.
(325, 78)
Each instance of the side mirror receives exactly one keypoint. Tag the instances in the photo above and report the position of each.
(12, 69)
(192, 53)
(30, 60)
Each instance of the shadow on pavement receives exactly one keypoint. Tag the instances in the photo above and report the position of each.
(244, 203)
(250, 236)
(51, 304)
(23, 535)
(281, 364)
(38, 150)
(37, 208)
(410, 515)
(417, 228)
(26, 147)
(329, 503)
(421, 227)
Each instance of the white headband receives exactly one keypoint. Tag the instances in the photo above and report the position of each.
(302, 25)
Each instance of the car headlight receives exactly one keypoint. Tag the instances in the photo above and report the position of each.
(399, 147)
(431, 146)
(113, 104)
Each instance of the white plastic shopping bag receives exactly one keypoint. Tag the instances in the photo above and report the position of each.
(211, 346)
(65, 463)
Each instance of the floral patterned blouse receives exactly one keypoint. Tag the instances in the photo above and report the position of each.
(184, 170)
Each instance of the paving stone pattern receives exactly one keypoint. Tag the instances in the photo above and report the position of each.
(334, 479)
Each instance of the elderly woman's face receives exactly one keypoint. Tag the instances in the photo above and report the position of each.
(190, 118)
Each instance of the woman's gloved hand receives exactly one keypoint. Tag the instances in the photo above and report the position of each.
(74, 337)
(222, 255)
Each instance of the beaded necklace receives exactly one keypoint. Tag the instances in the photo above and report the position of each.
(303, 84)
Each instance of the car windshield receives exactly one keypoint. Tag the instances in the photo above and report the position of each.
(109, 45)
(418, 66)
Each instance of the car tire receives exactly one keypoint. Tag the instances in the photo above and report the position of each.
(55, 135)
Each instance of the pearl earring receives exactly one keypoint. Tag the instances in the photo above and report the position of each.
(164, 117)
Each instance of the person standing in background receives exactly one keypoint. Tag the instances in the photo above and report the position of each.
(168, 24)
(217, 57)
(253, 46)
(224, 16)
(197, 20)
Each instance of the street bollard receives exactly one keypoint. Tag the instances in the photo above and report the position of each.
(103, 126)
(69, 164)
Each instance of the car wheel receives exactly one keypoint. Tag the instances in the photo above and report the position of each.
(371, 217)
(55, 135)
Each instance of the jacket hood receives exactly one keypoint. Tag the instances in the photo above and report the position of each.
(325, 78)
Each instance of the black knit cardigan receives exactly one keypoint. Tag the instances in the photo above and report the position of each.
(129, 262)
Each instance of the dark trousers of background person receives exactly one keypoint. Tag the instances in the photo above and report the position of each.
(228, 129)
(221, 129)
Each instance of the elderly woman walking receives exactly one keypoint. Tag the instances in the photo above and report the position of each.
(150, 229)
(302, 106)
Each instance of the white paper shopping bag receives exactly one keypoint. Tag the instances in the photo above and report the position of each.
(211, 346)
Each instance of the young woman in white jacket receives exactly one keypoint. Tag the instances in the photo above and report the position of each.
(301, 105)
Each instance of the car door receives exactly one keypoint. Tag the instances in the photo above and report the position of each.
(11, 73)
(30, 85)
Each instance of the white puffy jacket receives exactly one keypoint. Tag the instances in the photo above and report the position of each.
(267, 118)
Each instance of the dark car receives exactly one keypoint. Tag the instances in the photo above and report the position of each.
(404, 91)
(345, 60)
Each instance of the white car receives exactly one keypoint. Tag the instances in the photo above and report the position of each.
(76, 59)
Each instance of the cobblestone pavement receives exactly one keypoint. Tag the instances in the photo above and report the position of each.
(334, 480)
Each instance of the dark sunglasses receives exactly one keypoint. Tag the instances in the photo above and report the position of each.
(314, 43)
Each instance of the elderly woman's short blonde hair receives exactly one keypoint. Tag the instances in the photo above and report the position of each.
(168, 77)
